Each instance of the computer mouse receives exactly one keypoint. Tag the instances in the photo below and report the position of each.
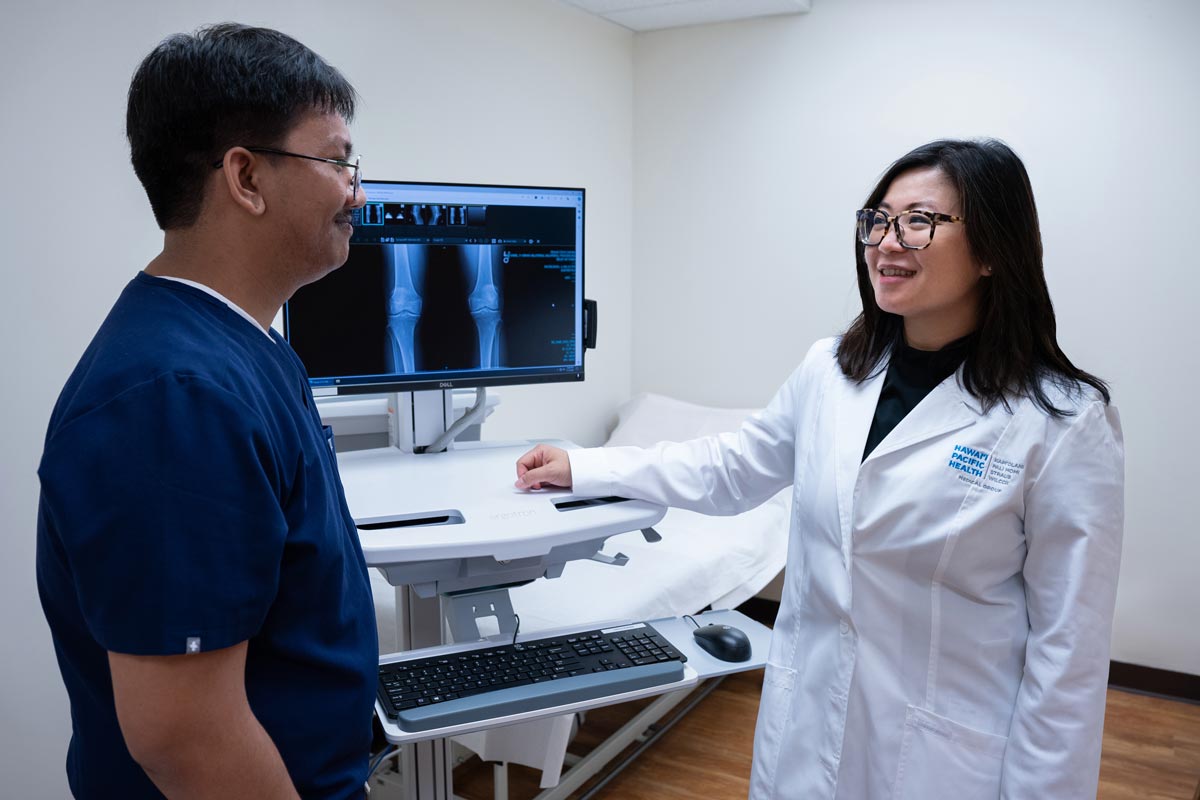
(724, 642)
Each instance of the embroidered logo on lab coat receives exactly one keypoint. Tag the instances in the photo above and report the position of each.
(968, 460)
(978, 468)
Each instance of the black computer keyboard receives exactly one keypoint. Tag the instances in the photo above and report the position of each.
(493, 682)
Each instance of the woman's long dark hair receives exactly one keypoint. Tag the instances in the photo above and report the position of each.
(1015, 349)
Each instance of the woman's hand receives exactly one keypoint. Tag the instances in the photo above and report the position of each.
(543, 466)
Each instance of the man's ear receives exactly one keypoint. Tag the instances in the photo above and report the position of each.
(241, 172)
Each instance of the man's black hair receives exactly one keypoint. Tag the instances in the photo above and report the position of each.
(197, 95)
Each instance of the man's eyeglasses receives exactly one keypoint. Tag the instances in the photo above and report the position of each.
(914, 229)
(355, 165)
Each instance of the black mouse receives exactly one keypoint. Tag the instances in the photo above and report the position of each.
(724, 642)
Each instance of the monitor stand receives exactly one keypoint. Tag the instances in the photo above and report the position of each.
(417, 419)
(452, 535)
(420, 422)
(423, 422)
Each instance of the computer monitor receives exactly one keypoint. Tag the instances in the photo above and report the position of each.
(447, 286)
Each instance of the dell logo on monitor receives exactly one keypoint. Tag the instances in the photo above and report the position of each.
(446, 384)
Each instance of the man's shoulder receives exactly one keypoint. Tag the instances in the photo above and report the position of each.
(159, 319)
(155, 332)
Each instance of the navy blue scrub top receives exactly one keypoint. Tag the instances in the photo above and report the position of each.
(190, 500)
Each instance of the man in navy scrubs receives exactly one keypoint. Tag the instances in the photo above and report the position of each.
(196, 561)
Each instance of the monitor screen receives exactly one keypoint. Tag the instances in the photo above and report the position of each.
(448, 285)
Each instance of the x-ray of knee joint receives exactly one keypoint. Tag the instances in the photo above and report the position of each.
(449, 283)
(405, 274)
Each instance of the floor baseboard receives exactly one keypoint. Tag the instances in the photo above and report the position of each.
(1154, 681)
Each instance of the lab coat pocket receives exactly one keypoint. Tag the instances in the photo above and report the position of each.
(942, 758)
(774, 712)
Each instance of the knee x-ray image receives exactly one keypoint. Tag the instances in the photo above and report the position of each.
(408, 281)
(399, 309)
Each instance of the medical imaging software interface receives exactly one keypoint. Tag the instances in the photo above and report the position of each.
(468, 284)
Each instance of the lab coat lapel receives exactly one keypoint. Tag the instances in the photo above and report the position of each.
(947, 408)
(854, 409)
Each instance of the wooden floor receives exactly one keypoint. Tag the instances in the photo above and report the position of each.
(1151, 751)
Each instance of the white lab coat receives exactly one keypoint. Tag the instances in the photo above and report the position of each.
(944, 628)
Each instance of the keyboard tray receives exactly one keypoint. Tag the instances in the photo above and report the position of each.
(572, 694)
(505, 702)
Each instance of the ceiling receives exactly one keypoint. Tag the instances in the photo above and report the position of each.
(652, 15)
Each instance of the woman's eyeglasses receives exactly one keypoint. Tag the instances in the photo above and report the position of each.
(914, 229)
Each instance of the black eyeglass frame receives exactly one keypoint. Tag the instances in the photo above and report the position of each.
(894, 222)
(355, 165)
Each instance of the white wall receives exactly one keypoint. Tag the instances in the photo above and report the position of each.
(529, 91)
(751, 144)
(755, 142)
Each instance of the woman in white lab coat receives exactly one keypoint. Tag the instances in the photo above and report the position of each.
(957, 517)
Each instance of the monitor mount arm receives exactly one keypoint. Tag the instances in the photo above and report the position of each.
(474, 414)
